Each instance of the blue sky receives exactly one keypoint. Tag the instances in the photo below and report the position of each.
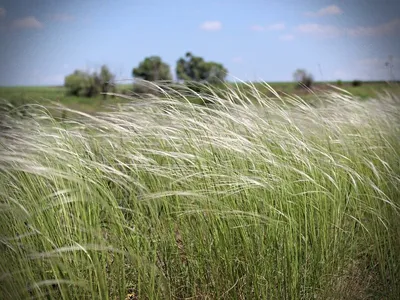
(41, 41)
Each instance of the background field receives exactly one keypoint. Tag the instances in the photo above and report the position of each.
(24, 95)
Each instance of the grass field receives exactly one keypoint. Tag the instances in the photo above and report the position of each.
(164, 199)
(42, 95)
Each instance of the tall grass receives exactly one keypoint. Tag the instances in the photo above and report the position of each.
(238, 199)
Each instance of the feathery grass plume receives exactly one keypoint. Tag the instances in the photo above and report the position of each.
(238, 197)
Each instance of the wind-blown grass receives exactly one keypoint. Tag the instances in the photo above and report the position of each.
(239, 199)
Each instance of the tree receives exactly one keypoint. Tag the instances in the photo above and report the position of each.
(82, 84)
(389, 65)
(152, 69)
(194, 68)
(303, 78)
(106, 80)
(216, 73)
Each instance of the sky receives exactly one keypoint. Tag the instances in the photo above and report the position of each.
(42, 41)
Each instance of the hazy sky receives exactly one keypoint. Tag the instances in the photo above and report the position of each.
(42, 41)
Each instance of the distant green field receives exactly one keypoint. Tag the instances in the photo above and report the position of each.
(42, 95)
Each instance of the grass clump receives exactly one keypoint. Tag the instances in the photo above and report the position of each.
(237, 199)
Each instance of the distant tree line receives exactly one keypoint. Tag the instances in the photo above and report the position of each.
(193, 71)
(189, 69)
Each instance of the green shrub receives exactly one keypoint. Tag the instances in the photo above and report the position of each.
(356, 82)
(303, 78)
(82, 84)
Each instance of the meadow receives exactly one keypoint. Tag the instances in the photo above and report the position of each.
(43, 95)
(261, 197)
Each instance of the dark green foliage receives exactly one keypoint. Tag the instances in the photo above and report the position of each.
(356, 82)
(194, 68)
(106, 81)
(339, 82)
(303, 78)
(152, 69)
(84, 84)
(143, 88)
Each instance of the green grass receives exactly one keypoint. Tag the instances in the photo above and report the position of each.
(365, 91)
(170, 200)
(42, 95)
(372, 90)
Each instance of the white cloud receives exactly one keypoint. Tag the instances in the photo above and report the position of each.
(28, 22)
(277, 26)
(320, 30)
(2, 12)
(211, 25)
(61, 17)
(257, 28)
(329, 10)
(287, 37)
(389, 28)
(386, 28)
